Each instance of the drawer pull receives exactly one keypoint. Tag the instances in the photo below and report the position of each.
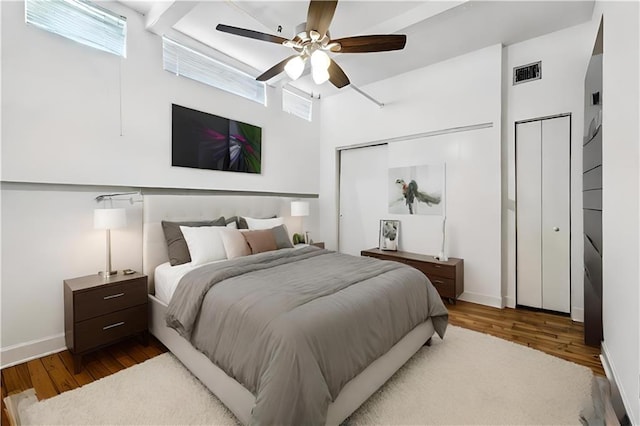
(113, 296)
(118, 324)
(437, 266)
(438, 282)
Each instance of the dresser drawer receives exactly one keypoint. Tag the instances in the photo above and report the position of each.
(106, 299)
(434, 269)
(108, 328)
(446, 287)
(447, 276)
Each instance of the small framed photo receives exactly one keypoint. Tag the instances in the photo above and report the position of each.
(389, 234)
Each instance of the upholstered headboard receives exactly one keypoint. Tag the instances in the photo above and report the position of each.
(198, 207)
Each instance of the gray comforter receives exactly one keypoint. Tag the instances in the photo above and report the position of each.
(293, 326)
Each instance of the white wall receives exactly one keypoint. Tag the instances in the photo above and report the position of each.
(62, 125)
(620, 210)
(47, 236)
(61, 109)
(565, 55)
(459, 92)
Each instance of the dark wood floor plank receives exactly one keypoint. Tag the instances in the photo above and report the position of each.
(58, 373)
(121, 356)
(156, 343)
(16, 379)
(42, 384)
(94, 367)
(4, 418)
(151, 350)
(82, 378)
(109, 361)
(134, 350)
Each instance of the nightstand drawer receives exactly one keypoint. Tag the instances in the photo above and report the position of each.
(109, 298)
(434, 269)
(446, 287)
(108, 328)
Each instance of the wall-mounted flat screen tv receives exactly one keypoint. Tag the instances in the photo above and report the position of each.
(206, 141)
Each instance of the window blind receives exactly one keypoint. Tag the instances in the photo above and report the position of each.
(296, 104)
(189, 63)
(80, 21)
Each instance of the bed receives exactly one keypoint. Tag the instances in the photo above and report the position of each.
(248, 403)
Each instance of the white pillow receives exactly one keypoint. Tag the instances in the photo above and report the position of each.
(264, 223)
(235, 245)
(232, 225)
(204, 242)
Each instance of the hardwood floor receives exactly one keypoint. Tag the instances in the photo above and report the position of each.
(553, 334)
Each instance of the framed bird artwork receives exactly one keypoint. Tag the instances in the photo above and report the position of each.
(417, 190)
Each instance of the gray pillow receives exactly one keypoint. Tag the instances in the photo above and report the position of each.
(281, 235)
(232, 219)
(242, 222)
(176, 244)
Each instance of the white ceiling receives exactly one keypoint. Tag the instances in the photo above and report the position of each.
(436, 30)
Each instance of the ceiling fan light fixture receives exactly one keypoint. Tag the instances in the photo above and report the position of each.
(320, 60)
(294, 67)
(320, 75)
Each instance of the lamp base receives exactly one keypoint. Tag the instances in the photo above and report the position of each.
(441, 257)
(107, 274)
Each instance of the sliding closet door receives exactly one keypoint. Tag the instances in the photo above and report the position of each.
(542, 214)
(529, 214)
(363, 186)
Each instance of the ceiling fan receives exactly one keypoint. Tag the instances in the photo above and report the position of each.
(312, 42)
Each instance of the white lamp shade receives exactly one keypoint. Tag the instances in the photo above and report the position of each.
(294, 67)
(109, 218)
(320, 75)
(319, 59)
(299, 208)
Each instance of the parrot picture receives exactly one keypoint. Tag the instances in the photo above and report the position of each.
(411, 195)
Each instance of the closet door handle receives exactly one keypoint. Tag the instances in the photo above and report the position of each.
(556, 229)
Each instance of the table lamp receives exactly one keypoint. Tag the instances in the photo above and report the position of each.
(301, 209)
(109, 219)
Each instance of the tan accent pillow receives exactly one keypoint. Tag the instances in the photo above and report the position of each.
(260, 240)
(234, 243)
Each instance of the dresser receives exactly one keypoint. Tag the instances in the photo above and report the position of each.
(447, 277)
(99, 311)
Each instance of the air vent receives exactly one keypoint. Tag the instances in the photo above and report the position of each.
(528, 72)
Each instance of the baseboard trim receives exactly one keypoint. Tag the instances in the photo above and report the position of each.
(481, 299)
(577, 314)
(610, 372)
(509, 302)
(17, 354)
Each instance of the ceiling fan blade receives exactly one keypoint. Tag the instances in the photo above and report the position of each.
(274, 70)
(337, 77)
(250, 34)
(319, 15)
(371, 43)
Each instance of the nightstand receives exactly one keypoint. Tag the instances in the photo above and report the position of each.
(318, 244)
(100, 311)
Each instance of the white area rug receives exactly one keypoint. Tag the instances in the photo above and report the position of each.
(469, 378)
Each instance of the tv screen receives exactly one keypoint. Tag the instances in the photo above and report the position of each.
(206, 141)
